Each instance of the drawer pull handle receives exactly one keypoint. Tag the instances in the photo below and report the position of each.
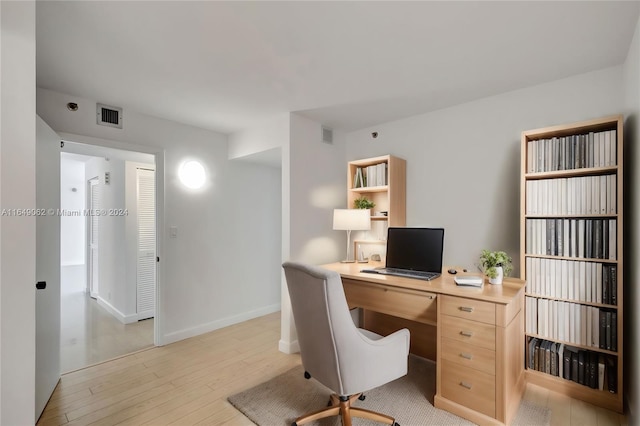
(466, 355)
(466, 308)
(466, 333)
(466, 385)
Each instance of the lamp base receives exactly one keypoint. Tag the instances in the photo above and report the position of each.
(347, 261)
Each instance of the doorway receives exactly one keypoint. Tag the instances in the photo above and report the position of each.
(99, 295)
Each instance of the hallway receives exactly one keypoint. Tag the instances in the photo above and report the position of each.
(88, 333)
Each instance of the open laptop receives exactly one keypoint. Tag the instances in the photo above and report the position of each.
(413, 253)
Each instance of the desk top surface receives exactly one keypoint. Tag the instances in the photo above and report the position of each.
(444, 284)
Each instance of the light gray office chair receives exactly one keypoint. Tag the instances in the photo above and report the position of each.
(336, 353)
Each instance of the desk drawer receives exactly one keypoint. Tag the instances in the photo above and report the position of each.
(469, 355)
(472, 309)
(470, 332)
(410, 304)
(468, 387)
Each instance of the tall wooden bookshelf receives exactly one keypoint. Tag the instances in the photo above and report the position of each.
(571, 257)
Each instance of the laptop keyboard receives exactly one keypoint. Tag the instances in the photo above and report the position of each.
(413, 274)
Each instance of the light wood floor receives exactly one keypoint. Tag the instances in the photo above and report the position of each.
(89, 334)
(187, 383)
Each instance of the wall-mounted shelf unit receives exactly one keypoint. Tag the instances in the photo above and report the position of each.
(383, 181)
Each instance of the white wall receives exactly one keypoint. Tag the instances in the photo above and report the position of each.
(632, 226)
(17, 234)
(314, 183)
(463, 163)
(233, 221)
(270, 135)
(72, 228)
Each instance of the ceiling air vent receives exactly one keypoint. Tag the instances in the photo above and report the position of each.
(109, 116)
(327, 135)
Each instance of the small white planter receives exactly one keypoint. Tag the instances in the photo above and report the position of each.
(498, 279)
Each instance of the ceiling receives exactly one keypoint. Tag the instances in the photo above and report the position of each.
(227, 66)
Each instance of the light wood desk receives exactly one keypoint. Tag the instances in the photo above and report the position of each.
(476, 336)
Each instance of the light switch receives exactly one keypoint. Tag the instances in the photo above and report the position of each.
(173, 232)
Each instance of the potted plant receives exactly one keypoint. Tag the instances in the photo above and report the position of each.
(363, 203)
(496, 265)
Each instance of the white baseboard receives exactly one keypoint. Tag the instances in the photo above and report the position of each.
(125, 319)
(224, 322)
(289, 347)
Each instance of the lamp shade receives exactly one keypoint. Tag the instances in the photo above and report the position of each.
(351, 219)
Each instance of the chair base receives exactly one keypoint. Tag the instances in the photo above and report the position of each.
(341, 406)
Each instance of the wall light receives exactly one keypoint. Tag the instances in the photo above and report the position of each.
(192, 174)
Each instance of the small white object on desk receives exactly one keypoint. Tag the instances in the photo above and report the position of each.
(469, 280)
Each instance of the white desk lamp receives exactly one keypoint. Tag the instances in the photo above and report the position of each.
(351, 220)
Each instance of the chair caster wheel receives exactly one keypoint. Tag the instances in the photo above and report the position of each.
(394, 424)
(306, 376)
(363, 397)
(294, 424)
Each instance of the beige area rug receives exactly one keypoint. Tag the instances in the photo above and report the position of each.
(409, 399)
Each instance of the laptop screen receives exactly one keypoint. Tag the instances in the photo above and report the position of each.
(418, 249)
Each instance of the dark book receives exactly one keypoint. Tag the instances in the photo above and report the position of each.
(553, 369)
(606, 298)
(560, 237)
(614, 331)
(588, 253)
(605, 239)
(542, 357)
(536, 355)
(613, 284)
(582, 367)
(597, 238)
(532, 351)
(574, 366)
(612, 375)
(603, 329)
(590, 150)
(607, 316)
(576, 159)
(593, 370)
(566, 367)
(583, 150)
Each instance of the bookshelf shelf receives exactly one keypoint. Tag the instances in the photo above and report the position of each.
(577, 259)
(591, 171)
(597, 305)
(571, 245)
(383, 188)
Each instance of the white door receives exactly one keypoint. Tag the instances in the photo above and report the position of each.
(146, 230)
(47, 264)
(92, 235)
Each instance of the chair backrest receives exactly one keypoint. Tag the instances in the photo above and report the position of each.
(326, 332)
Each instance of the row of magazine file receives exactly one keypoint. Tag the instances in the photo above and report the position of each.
(374, 175)
(592, 369)
(572, 322)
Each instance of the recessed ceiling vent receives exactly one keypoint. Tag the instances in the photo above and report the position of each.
(327, 135)
(109, 116)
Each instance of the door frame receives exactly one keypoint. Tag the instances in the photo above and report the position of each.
(159, 154)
